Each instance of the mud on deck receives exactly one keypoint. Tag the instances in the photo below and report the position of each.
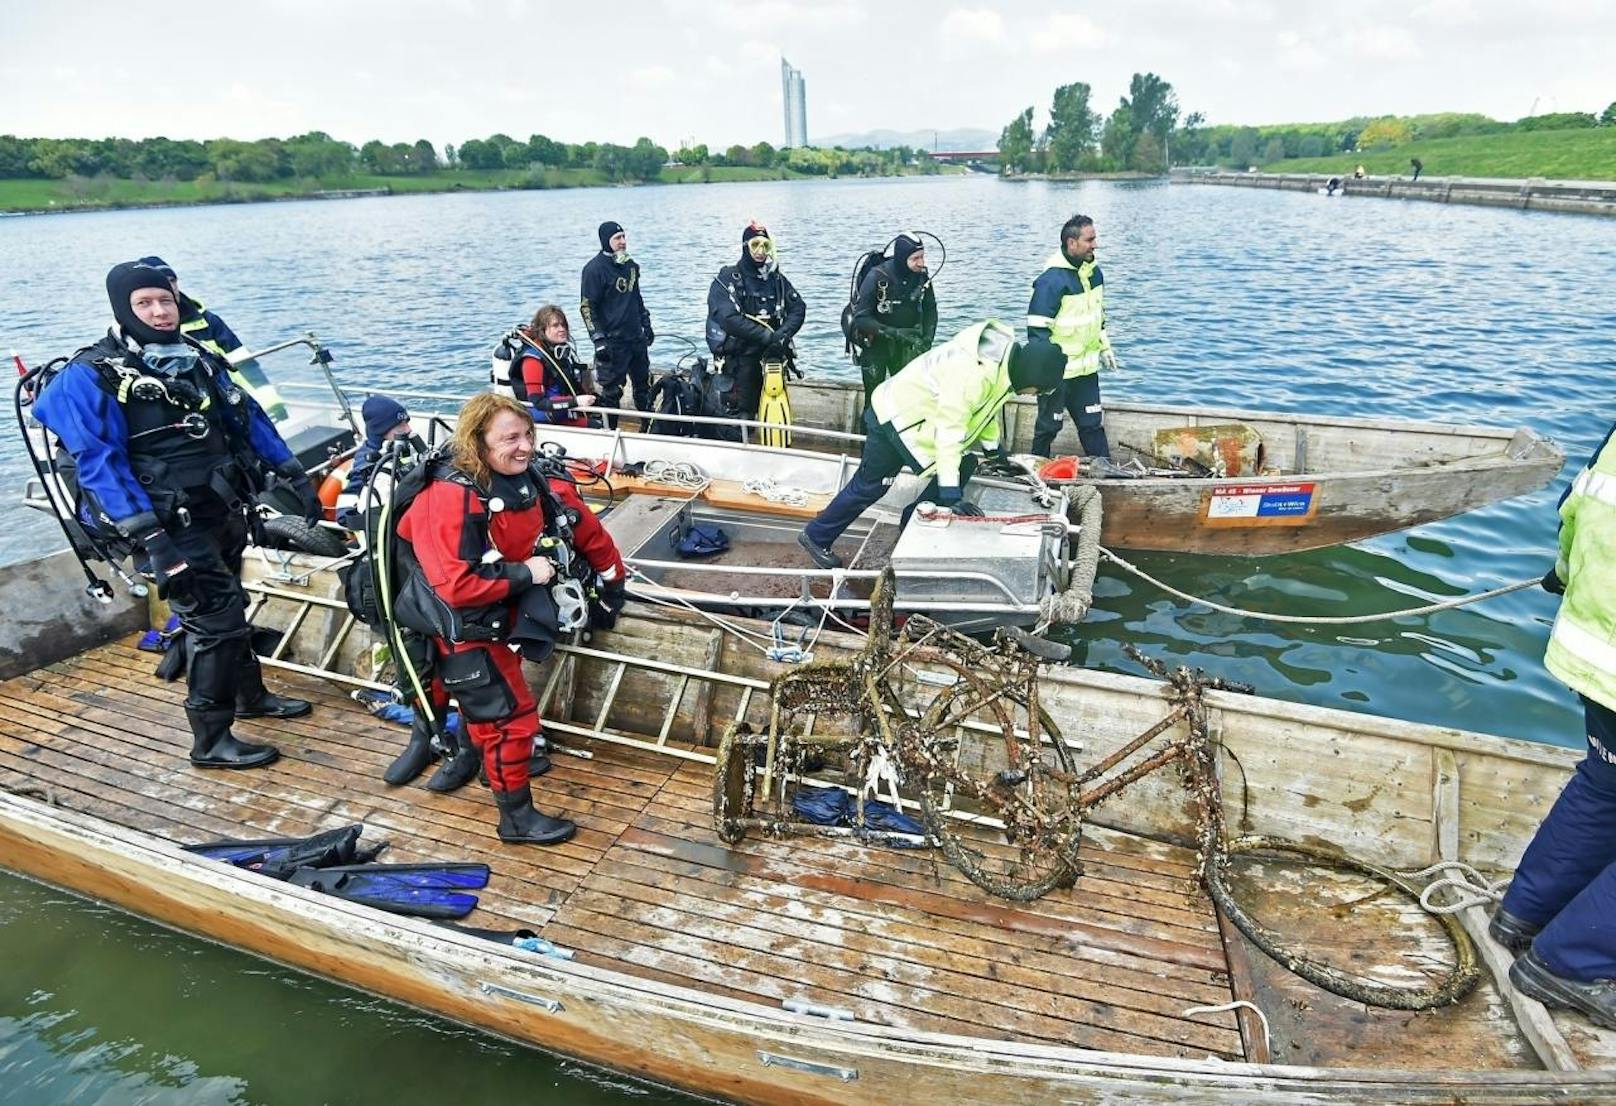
(894, 937)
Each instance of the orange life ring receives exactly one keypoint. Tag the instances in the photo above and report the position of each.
(331, 487)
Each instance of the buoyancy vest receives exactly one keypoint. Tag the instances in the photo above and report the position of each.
(1582, 645)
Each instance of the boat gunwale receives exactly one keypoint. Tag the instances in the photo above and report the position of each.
(436, 947)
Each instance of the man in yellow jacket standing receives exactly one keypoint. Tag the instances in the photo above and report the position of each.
(928, 418)
(1561, 905)
(1068, 310)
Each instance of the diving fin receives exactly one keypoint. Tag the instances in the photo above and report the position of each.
(278, 857)
(774, 406)
(419, 890)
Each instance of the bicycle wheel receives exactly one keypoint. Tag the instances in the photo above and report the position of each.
(988, 749)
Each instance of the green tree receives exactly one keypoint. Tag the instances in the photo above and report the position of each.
(14, 155)
(1275, 150)
(646, 159)
(694, 155)
(1385, 132)
(424, 157)
(1607, 118)
(477, 154)
(317, 154)
(1015, 144)
(1120, 137)
(764, 154)
(1557, 121)
(1311, 145)
(1243, 148)
(1069, 138)
(545, 151)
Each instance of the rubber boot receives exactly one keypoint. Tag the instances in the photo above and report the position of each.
(214, 746)
(416, 755)
(537, 765)
(460, 763)
(520, 824)
(254, 700)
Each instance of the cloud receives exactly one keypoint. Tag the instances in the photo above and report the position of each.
(823, 14)
(1445, 13)
(1297, 54)
(1383, 44)
(653, 76)
(1061, 32)
(973, 27)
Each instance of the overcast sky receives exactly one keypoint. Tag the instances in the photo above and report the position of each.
(708, 70)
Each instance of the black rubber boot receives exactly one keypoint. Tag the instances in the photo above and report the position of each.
(1515, 934)
(821, 556)
(214, 746)
(460, 763)
(1532, 977)
(416, 755)
(254, 700)
(520, 824)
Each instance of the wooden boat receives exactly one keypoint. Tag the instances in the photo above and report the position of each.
(802, 969)
(1322, 481)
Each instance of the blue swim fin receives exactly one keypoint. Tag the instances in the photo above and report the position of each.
(278, 857)
(419, 890)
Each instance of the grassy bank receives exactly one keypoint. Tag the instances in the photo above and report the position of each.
(1585, 154)
(82, 193)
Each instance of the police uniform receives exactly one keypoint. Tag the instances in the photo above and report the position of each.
(1068, 310)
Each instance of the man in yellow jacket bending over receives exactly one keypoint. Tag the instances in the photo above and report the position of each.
(928, 418)
(1560, 910)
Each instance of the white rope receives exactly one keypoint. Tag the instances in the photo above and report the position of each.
(1237, 1005)
(1470, 886)
(1317, 620)
(680, 474)
(676, 601)
(775, 493)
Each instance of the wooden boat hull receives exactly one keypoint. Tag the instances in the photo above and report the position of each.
(1401, 793)
(1341, 480)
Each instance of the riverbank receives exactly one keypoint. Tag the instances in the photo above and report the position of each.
(39, 197)
(1575, 197)
(1579, 154)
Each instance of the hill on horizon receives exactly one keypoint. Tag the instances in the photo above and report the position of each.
(958, 138)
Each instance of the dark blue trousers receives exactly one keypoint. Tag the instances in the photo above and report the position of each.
(1078, 396)
(884, 457)
(1566, 881)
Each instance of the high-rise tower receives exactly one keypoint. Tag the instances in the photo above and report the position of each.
(794, 97)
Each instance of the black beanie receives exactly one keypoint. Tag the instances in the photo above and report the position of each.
(123, 281)
(161, 266)
(904, 245)
(381, 414)
(752, 230)
(1038, 365)
(607, 229)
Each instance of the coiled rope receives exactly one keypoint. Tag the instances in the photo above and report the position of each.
(1314, 620)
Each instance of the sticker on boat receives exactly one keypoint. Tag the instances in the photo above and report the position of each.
(1260, 505)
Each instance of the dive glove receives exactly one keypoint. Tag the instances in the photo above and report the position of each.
(313, 509)
(607, 604)
(168, 564)
(965, 509)
(1552, 582)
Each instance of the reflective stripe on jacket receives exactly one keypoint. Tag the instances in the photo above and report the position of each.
(1068, 308)
(1582, 645)
(948, 400)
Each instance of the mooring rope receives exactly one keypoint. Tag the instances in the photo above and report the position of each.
(1315, 620)
(1470, 886)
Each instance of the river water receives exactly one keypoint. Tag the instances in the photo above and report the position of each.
(1216, 296)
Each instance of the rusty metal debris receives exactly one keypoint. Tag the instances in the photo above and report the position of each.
(958, 723)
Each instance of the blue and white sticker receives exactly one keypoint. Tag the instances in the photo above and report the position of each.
(1260, 504)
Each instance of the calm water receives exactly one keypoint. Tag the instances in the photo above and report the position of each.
(1221, 296)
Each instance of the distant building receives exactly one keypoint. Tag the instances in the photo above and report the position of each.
(794, 97)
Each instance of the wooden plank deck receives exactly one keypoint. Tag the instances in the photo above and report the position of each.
(892, 936)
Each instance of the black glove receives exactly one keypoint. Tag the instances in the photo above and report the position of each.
(965, 508)
(603, 355)
(1552, 582)
(168, 565)
(313, 509)
(607, 604)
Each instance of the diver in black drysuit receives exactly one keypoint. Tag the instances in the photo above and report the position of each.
(169, 454)
(753, 312)
(894, 315)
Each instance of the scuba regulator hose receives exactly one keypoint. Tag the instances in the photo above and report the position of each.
(62, 507)
(381, 578)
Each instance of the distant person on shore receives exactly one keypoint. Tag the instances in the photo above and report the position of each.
(1333, 186)
(1068, 311)
(1417, 165)
(929, 417)
(197, 322)
(895, 312)
(1358, 173)
(618, 323)
(1560, 909)
(753, 313)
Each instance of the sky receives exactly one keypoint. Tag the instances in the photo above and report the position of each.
(709, 70)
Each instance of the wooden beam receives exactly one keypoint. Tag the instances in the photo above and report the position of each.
(1536, 1023)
